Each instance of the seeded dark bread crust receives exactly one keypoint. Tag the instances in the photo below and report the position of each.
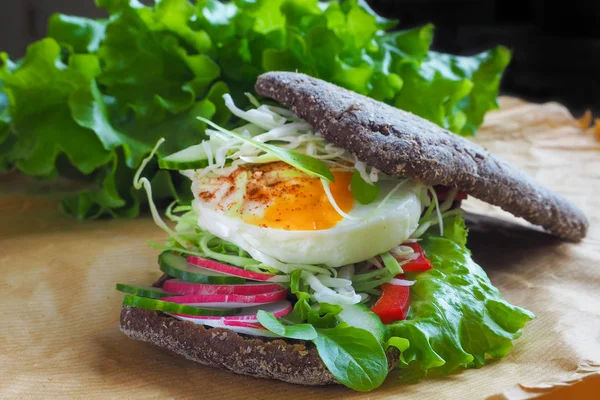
(222, 348)
(294, 362)
(403, 144)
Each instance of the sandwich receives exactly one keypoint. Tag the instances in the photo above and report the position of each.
(325, 243)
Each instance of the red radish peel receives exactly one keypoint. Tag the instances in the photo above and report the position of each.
(278, 309)
(178, 286)
(228, 269)
(248, 328)
(229, 300)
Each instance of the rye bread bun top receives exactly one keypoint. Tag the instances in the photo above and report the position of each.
(403, 144)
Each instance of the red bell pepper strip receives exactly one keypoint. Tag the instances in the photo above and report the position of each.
(419, 264)
(442, 193)
(393, 304)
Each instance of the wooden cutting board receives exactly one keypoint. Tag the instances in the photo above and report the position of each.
(60, 336)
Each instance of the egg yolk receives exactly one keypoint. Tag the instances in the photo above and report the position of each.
(299, 203)
(281, 197)
(302, 204)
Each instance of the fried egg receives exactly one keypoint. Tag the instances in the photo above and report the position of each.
(277, 213)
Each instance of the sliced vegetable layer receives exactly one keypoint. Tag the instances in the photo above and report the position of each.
(177, 266)
(248, 321)
(179, 286)
(228, 269)
(229, 300)
(193, 157)
(278, 309)
(171, 307)
(144, 291)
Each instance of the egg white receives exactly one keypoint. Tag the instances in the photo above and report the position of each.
(380, 228)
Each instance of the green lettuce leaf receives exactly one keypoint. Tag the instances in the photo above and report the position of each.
(39, 92)
(148, 67)
(353, 356)
(454, 92)
(362, 191)
(457, 317)
(7, 140)
(81, 35)
(296, 331)
(4, 115)
(91, 99)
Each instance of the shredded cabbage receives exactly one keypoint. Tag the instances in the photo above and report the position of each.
(332, 201)
(323, 294)
(140, 182)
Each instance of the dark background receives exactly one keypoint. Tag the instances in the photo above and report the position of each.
(556, 44)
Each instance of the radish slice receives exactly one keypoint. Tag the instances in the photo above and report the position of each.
(248, 314)
(247, 328)
(233, 271)
(177, 266)
(228, 300)
(178, 286)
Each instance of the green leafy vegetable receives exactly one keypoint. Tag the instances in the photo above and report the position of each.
(78, 34)
(353, 356)
(454, 92)
(91, 99)
(40, 90)
(363, 192)
(308, 164)
(370, 280)
(297, 331)
(6, 139)
(457, 317)
(322, 315)
(456, 230)
(391, 263)
(400, 343)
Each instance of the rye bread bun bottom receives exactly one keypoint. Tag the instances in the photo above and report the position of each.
(289, 361)
(403, 144)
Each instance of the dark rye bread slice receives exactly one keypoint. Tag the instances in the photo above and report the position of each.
(288, 361)
(403, 144)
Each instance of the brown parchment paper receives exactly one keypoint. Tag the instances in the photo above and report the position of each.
(59, 335)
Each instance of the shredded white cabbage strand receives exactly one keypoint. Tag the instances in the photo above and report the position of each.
(140, 182)
(323, 294)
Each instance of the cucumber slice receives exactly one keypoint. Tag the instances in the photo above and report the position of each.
(177, 266)
(144, 291)
(193, 157)
(159, 305)
(359, 316)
